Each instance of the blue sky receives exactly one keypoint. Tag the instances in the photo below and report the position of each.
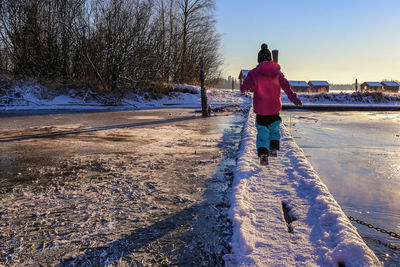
(333, 40)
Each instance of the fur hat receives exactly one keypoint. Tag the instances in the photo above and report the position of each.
(264, 54)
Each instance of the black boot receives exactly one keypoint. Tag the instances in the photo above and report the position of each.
(264, 159)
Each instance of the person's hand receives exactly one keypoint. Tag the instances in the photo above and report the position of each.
(297, 102)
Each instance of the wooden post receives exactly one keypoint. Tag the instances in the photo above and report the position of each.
(233, 84)
(275, 55)
(356, 84)
(204, 109)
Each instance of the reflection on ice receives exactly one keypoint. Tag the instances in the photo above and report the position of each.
(381, 115)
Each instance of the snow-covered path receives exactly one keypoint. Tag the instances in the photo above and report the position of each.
(321, 233)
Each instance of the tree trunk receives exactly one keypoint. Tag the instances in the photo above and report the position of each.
(204, 106)
(184, 45)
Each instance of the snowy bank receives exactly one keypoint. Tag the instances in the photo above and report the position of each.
(30, 95)
(33, 96)
(347, 98)
(288, 196)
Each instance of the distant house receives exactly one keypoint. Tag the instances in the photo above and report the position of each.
(391, 86)
(371, 86)
(319, 86)
(299, 86)
(242, 76)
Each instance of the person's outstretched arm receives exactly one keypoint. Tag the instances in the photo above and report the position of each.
(285, 85)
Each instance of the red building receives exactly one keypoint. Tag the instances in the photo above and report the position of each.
(391, 87)
(299, 86)
(371, 86)
(319, 86)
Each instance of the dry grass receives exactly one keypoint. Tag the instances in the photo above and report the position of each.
(6, 82)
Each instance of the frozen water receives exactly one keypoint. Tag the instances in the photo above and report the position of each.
(357, 156)
(147, 189)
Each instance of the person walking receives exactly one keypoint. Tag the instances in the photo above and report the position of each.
(266, 81)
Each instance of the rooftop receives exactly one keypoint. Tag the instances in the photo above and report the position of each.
(298, 83)
(373, 84)
(390, 83)
(319, 83)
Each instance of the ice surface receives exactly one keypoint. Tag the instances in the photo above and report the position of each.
(322, 235)
(151, 195)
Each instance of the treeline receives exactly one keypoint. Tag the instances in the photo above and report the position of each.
(230, 83)
(342, 87)
(109, 43)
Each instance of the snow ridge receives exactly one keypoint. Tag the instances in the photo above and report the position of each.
(322, 234)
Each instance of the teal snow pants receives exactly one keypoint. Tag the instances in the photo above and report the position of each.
(268, 137)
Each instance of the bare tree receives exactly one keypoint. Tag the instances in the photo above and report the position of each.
(192, 12)
(110, 42)
(36, 35)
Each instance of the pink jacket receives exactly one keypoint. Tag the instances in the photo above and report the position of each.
(267, 80)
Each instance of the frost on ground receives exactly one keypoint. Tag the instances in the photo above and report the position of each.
(144, 196)
(283, 215)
